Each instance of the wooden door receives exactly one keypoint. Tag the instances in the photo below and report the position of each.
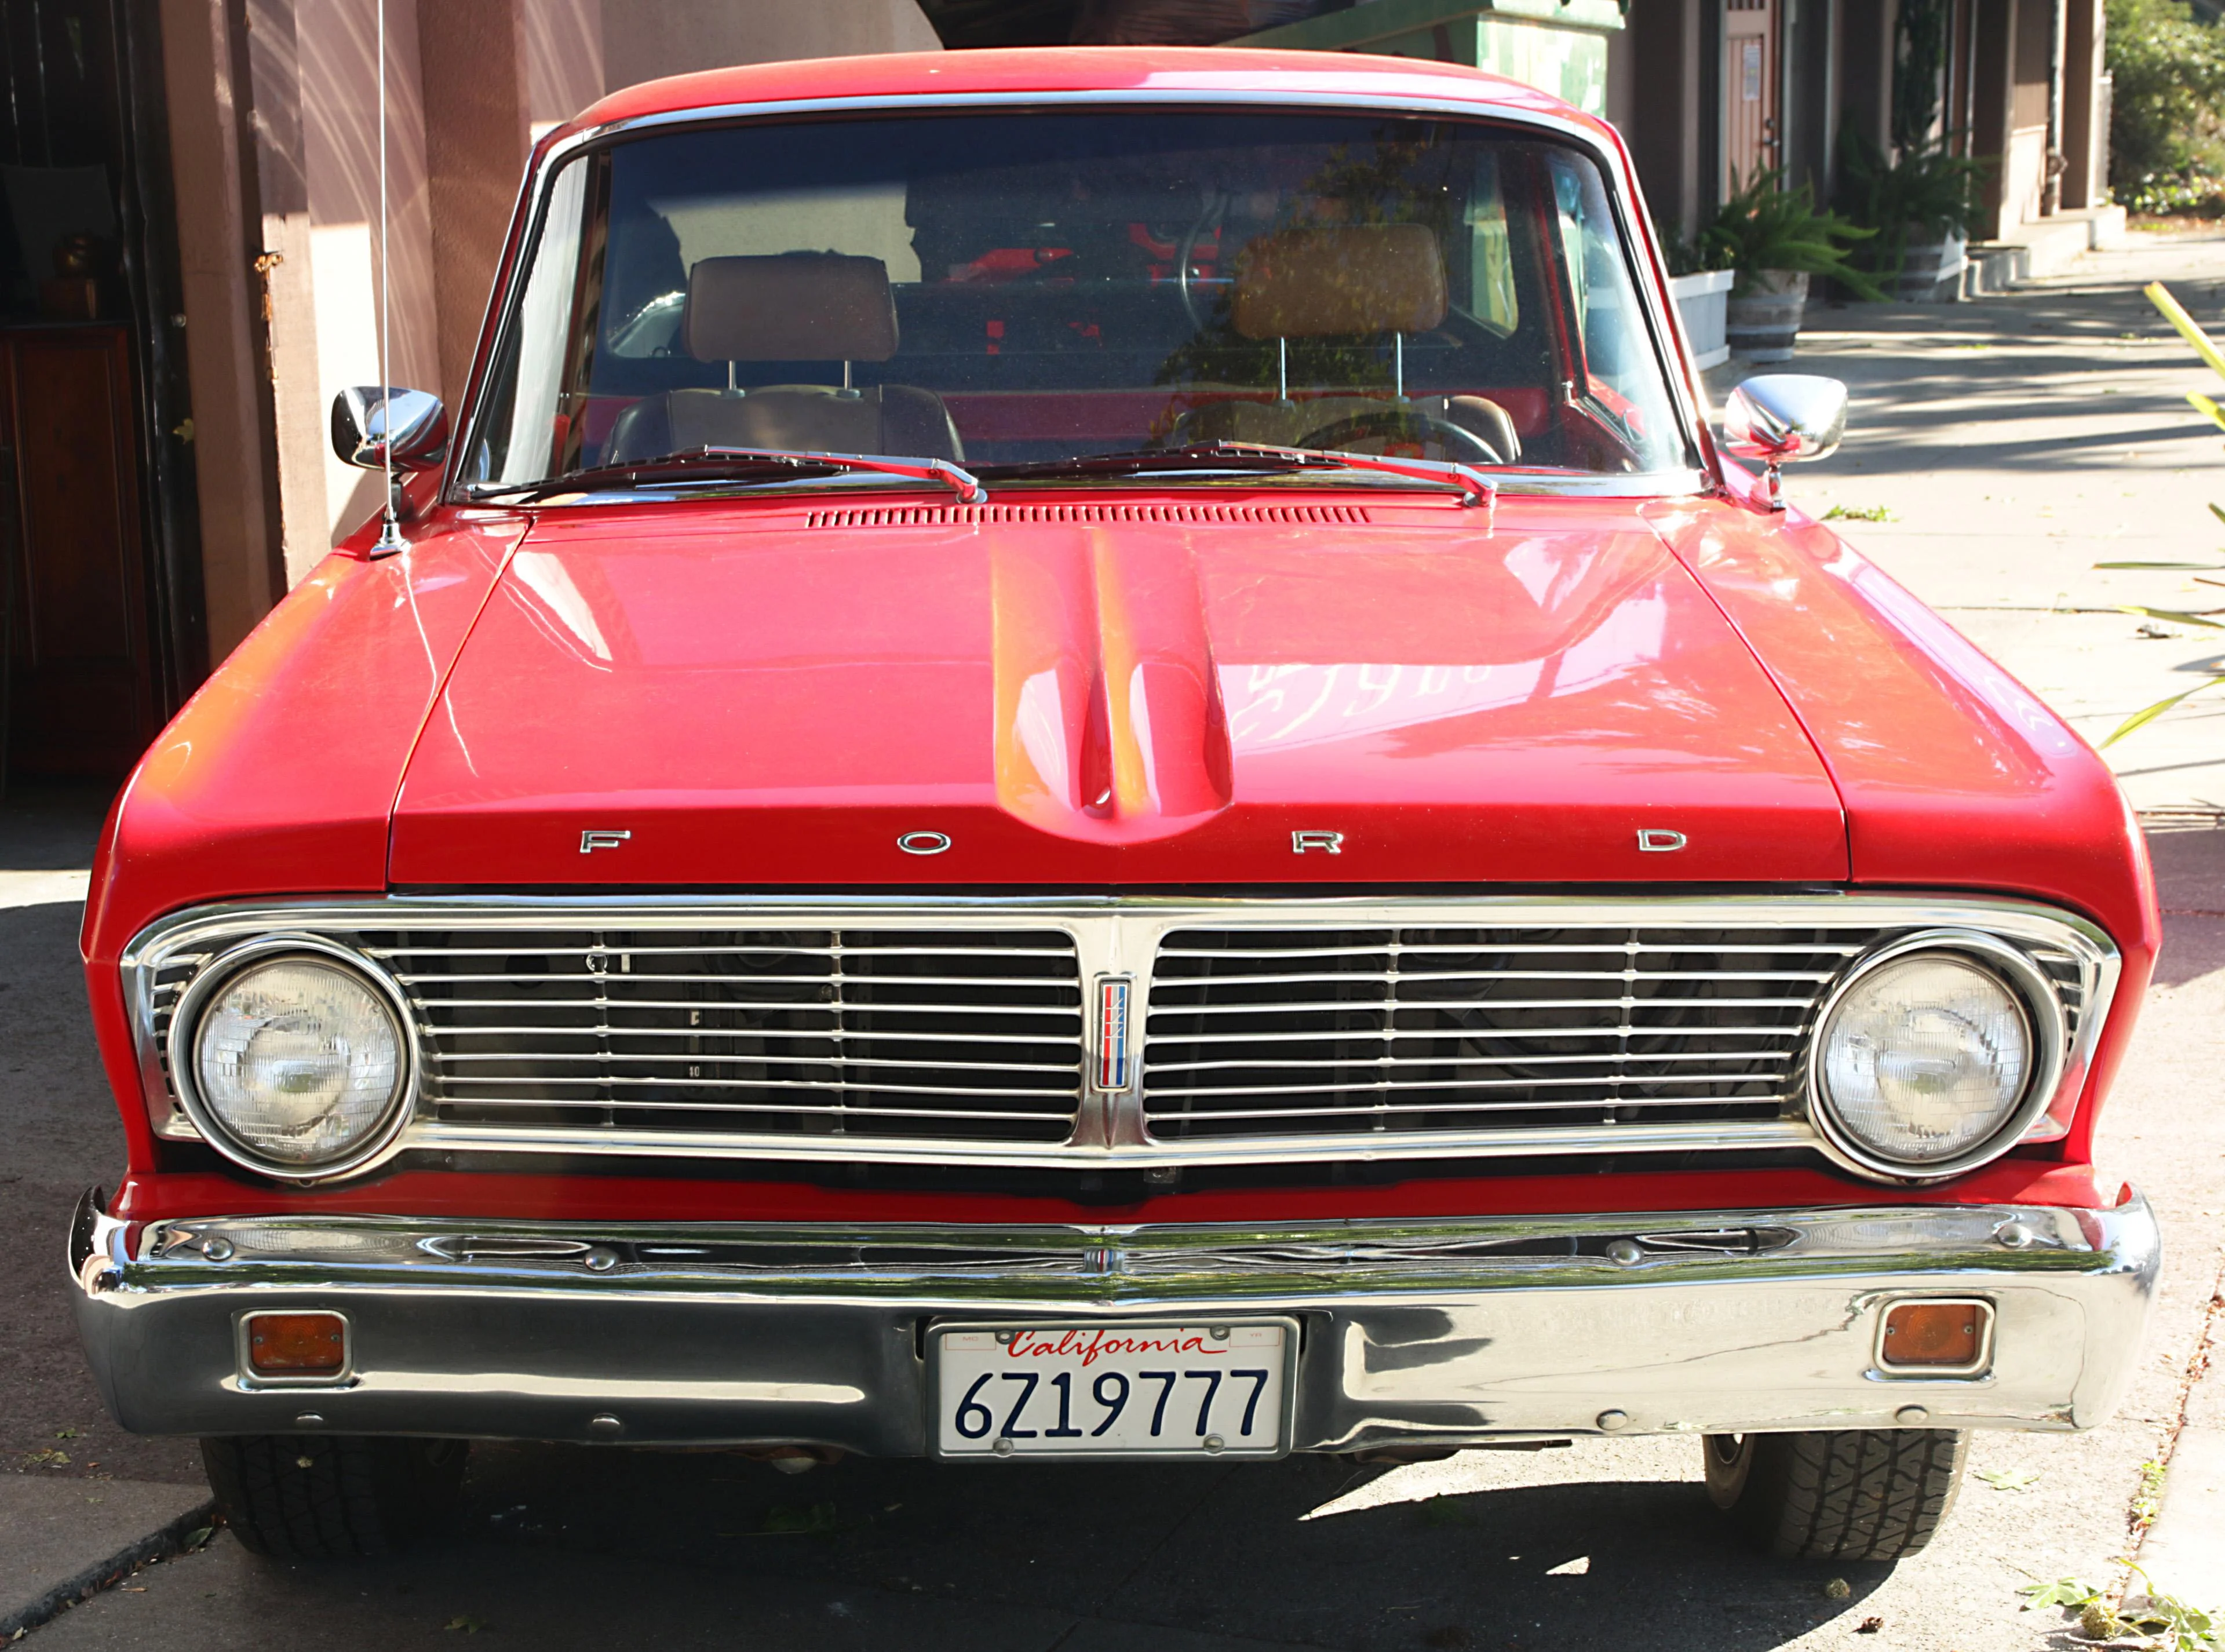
(1750, 81)
(83, 694)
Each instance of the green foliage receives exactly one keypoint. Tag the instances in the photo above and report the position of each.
(1920, 54)
(1858, 513)
(2167, 103)
(2204, 346)
(2171, 1621)
(2064, 1592)
(1691, 258)
(1927, 194)
(1764, 225)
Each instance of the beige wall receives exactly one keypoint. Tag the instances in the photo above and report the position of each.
(340, 130)
(242, 569)
(645, 39)
(275, 156)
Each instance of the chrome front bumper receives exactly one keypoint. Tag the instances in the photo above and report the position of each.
(1413, 1332)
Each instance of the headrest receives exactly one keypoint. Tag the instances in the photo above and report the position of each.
(1345, 278)
(793, 306)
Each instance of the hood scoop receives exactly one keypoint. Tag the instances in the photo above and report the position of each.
(964, 516)
(1109, 722)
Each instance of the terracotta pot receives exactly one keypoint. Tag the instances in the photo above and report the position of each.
(1762, 325)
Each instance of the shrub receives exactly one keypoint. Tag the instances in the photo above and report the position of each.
(2167, 104)
(1764, 225)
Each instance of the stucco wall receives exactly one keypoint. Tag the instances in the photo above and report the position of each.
(645, 39)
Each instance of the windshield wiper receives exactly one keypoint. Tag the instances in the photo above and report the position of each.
(1475, 488)
(741, 465)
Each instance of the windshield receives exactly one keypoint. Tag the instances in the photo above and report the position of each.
(1028, 289)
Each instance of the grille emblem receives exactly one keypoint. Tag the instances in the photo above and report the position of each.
(1653, 840)
(1329, 842)
(591, 841)
(1112, 994)
(923, 843)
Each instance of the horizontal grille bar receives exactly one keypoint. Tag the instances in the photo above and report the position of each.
(1374, 1032)
(861, 1032)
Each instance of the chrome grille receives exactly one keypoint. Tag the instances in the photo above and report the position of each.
(956, 1035)
(1305, 1031)
(973, 1030)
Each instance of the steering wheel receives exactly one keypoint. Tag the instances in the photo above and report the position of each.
(1456, 442)
(1215, 204)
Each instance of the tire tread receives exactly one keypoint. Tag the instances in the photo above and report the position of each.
(330, 1497)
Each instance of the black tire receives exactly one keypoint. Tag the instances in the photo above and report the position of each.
(332, 1496)
(1863, 1494)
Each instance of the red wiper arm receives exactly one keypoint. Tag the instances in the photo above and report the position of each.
(1477, 489)
(967, 485)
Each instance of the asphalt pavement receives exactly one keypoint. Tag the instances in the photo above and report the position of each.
(1607, 1542)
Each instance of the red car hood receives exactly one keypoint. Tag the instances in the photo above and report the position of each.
(1252, 690)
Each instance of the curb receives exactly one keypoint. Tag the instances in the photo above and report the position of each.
(156, 1545)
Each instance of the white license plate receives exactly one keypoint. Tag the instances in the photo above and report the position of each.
(1220, 1389)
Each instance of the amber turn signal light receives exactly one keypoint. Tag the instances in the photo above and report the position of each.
(296, 1344)
(1940, 1336)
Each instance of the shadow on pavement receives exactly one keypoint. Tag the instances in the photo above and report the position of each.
(564, 1545)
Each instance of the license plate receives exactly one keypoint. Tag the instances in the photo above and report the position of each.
(1220, 1389)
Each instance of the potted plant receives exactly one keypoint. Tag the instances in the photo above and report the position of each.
(1775, 239)
(1920, 205)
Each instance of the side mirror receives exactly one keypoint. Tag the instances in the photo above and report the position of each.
(1780, 418)
(371, 425)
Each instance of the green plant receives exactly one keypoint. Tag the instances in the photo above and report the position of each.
(1927, 194)
(2167, 96)
(2177, 1625)
(2064, 1592)
(1691, 258)
(1764, 225)
(2189, 329)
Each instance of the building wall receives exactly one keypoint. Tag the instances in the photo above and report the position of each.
(275, 158)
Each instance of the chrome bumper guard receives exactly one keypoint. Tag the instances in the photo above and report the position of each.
(1443, 1332)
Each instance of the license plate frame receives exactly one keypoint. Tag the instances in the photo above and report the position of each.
(943, 1402)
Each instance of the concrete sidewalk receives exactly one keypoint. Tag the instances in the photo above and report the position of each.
(64, 1540)
(2012, 444)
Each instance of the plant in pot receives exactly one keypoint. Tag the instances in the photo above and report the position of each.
(1775, 239)
(1920, 206)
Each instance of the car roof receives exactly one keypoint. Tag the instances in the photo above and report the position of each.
(1207, 71)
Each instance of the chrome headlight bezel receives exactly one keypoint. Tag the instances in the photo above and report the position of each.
(185, 1035)
(2044, 1023)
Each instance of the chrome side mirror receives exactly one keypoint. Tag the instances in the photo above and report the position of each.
(371, 425)
(1783, 417)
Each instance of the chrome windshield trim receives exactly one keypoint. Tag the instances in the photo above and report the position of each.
(1664, 335)
(1117, 935)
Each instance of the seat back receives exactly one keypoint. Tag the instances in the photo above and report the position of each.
(793, 306)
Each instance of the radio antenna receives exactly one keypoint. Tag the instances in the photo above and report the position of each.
(389, 529)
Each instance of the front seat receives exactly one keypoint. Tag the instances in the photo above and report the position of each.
(796, 306)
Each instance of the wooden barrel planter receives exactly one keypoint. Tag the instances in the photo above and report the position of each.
(1930, 271)
(1762, 325)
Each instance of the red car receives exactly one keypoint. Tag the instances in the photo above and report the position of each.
(1083, 754)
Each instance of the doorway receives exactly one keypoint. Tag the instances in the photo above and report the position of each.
(1751, 121)
(100, 611)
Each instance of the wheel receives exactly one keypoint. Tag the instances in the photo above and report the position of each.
(1864, 1494)
(332, 1496)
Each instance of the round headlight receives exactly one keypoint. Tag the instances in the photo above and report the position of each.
(299, 1060)
(1927, 1059)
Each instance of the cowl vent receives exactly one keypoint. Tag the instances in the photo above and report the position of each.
(966, 516)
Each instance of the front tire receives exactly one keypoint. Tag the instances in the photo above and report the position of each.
(1859, 1494)
(332, 1496)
